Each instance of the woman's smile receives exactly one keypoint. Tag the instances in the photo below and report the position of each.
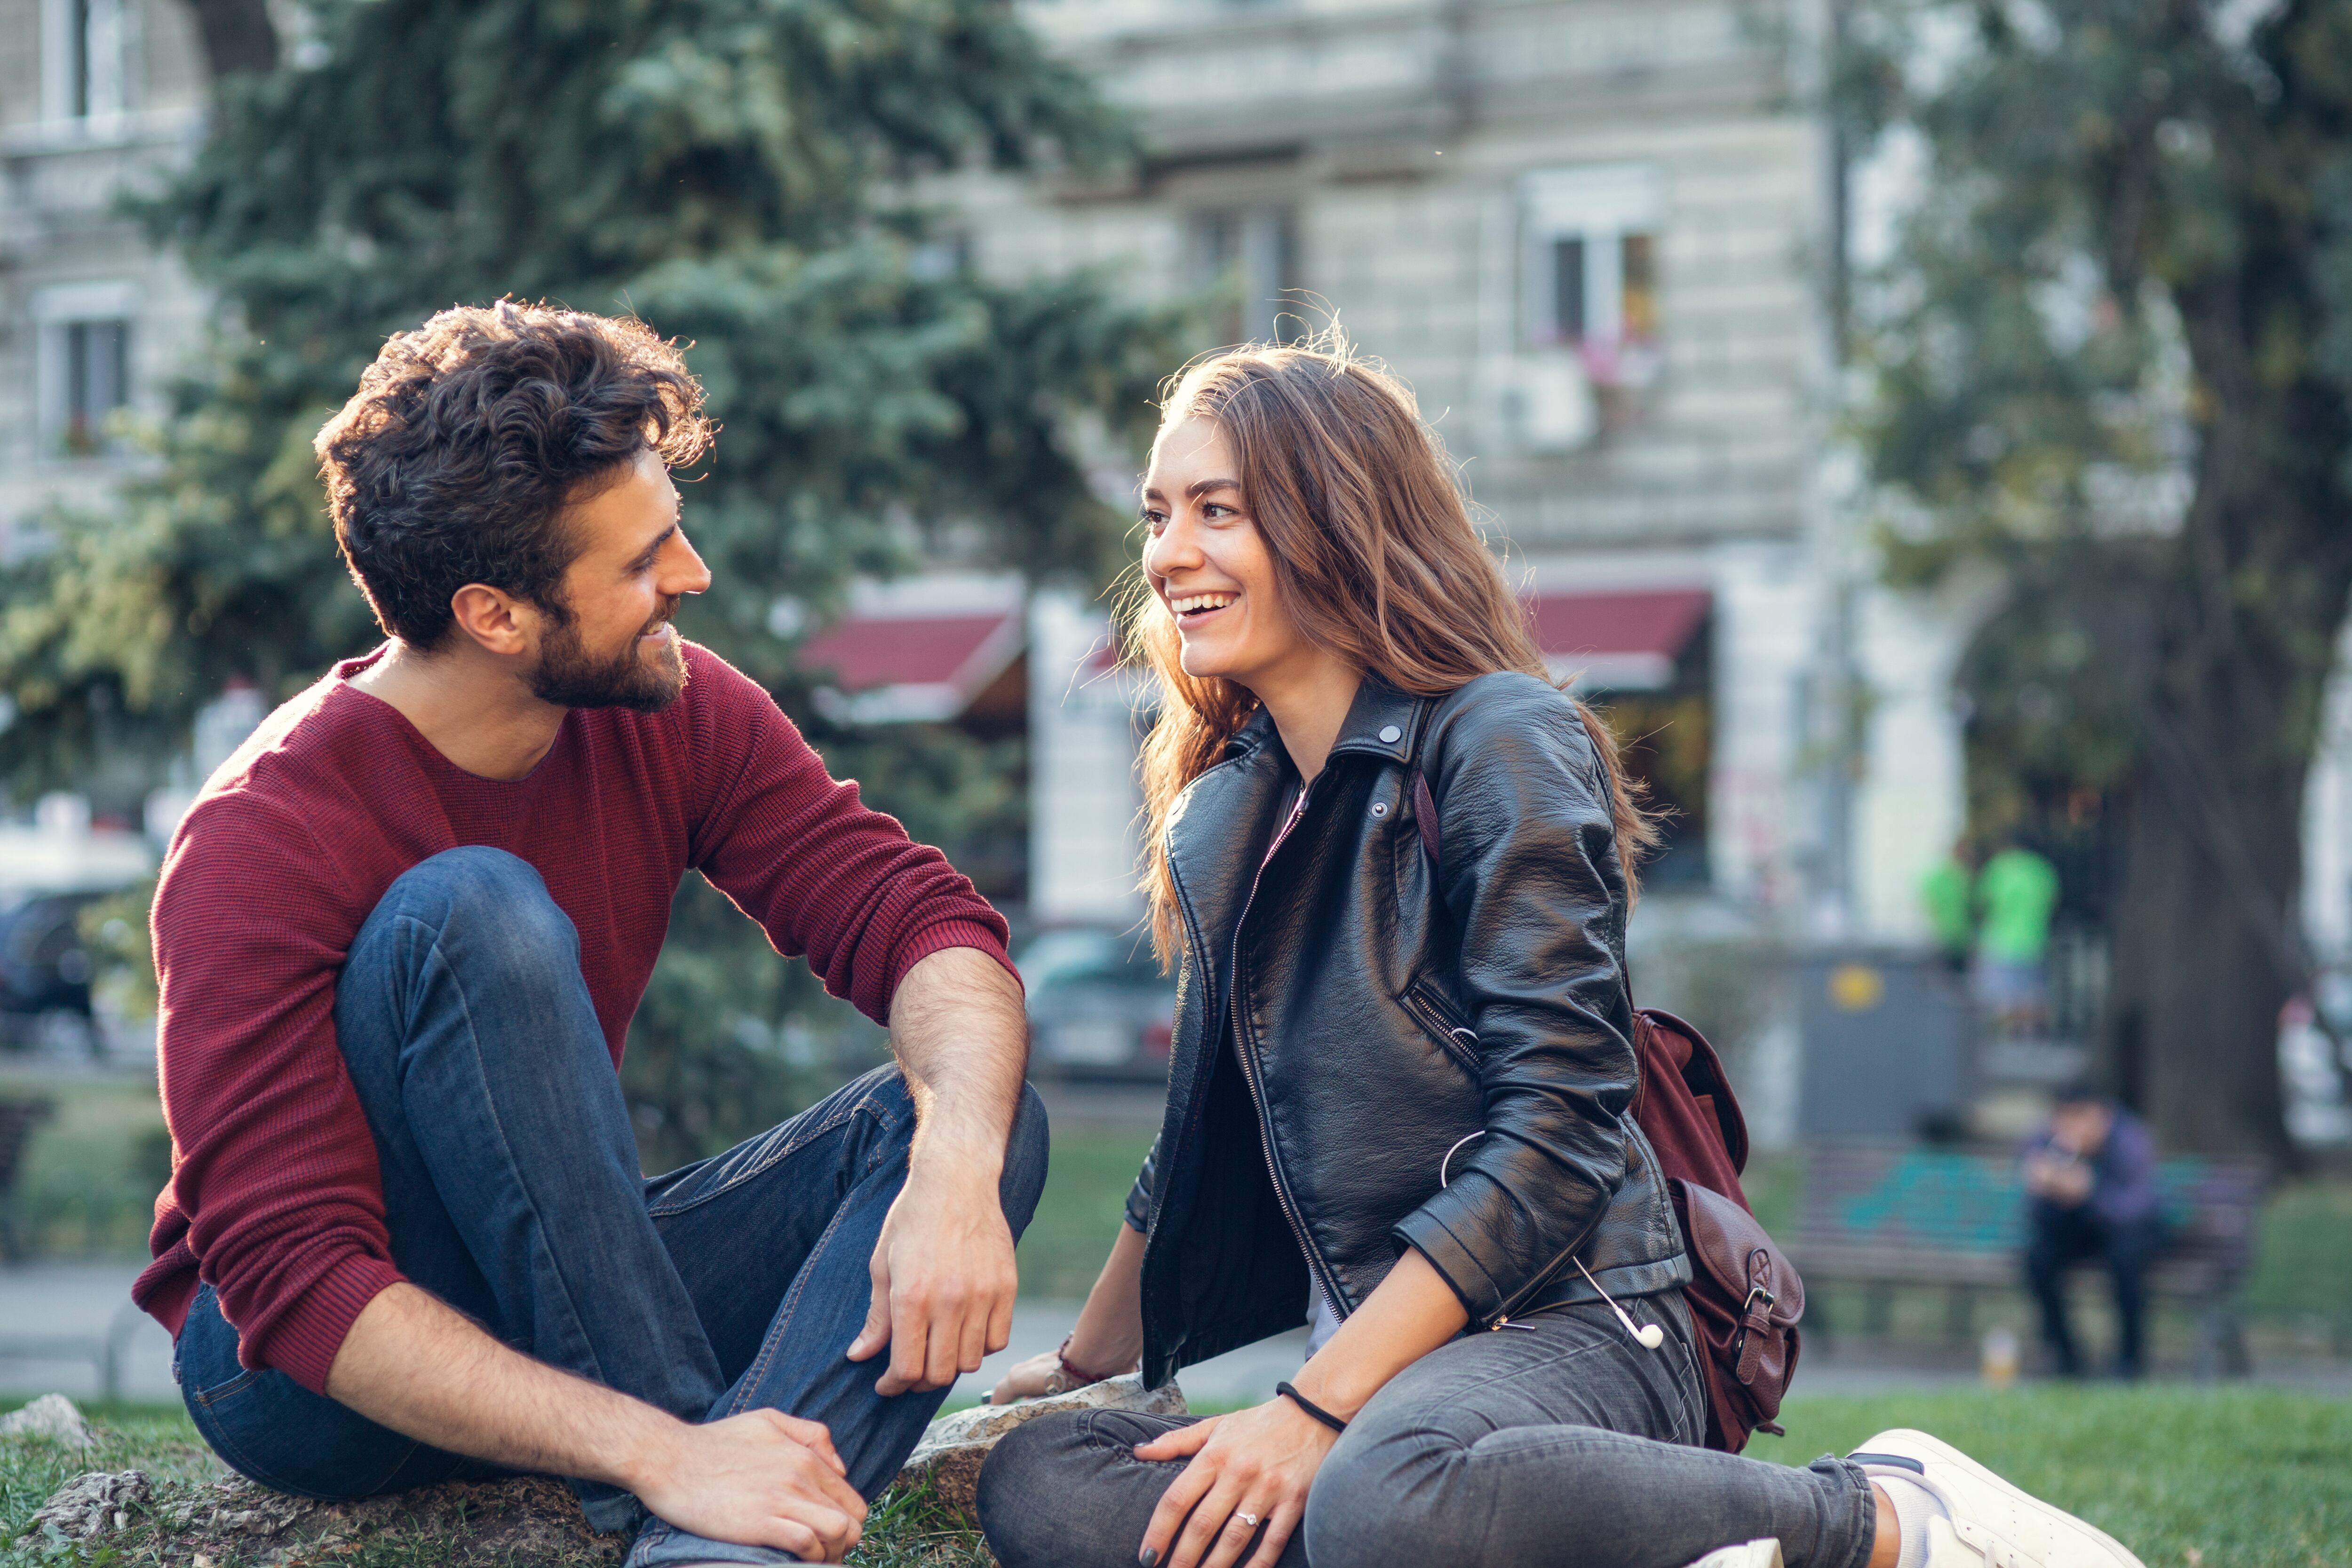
(1195, 611)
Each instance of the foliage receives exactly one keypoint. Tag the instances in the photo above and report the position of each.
(724, 169)
(2107, 367)
(738, 174)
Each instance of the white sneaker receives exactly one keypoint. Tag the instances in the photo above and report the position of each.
(1992, 1524)
(1764, 1552)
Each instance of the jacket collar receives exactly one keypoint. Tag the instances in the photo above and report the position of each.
(1382, 722)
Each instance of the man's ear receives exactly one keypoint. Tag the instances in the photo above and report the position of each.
(496, 621)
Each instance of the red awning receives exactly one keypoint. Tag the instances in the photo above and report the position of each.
(1624, 642)
(904, 667)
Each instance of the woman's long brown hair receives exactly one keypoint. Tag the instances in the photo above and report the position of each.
(1376, 555)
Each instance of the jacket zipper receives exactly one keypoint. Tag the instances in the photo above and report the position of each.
(1315, 1263)
(1450, 1036)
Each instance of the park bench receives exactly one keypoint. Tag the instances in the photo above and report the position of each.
(1883, 1214)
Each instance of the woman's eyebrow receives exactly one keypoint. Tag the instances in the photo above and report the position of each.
(1199, 487)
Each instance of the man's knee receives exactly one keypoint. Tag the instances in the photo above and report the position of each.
(460, 941)
(493, 905)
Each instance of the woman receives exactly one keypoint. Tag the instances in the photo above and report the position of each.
(1398, 1098)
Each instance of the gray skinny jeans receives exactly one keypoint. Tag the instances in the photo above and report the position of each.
(1556, 1442)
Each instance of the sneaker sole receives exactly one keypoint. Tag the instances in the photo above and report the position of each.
(1922, 1445)
(1762, 1552)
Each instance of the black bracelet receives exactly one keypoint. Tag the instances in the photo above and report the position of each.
(1296, 1397)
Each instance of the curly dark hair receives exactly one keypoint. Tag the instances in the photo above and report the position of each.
(468, 437)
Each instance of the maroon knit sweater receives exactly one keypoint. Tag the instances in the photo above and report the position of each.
(275, 1198)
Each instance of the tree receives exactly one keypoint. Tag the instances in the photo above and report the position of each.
(2109, 363)
(735, 171)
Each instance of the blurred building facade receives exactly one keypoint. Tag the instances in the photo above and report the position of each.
(97, 97)
(1600, 240)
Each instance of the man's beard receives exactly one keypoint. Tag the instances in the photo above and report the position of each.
(635, 677)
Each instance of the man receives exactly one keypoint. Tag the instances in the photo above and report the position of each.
(400, 936)
(2091, 1177)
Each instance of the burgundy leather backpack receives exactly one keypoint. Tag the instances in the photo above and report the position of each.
(1745, 1297)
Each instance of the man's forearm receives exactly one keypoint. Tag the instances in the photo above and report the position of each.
(944, 1278)
(761, 1478)
(962, 1038)
(416, 1365)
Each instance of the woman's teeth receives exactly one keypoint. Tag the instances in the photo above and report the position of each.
(1187, 605)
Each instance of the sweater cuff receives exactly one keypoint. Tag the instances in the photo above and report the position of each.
(959, 932)
(302, 1343)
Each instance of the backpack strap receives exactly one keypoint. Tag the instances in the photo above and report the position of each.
(1424, 813)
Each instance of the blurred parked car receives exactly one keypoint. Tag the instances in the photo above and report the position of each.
(1098, 1006)
(44, 971)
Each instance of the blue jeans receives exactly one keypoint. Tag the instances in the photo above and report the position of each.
(2059, 1237)
(1555, 1440)
(512, 1191)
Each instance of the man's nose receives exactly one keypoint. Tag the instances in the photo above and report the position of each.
(686, 575)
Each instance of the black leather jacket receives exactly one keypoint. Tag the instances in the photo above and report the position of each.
(1369, 1058)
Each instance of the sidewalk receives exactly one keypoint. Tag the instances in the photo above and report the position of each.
(89, 1303)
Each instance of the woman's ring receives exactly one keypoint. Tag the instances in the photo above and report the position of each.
(1248, 1519)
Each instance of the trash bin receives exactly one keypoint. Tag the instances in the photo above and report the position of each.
(1885, 1035)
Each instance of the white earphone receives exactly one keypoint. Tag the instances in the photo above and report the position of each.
(1649, 1336)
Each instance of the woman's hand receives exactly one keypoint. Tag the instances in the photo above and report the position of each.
(1029, 1379)
(1249, 1470)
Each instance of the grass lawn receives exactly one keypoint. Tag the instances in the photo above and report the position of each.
(1079, 1213)
(2185, 1476)
(2189, 1477)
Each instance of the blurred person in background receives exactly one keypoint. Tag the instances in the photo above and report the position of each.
(400, 936)
(2090, 1177)
(1392, 863)
(2017, 892)
(1949, 891)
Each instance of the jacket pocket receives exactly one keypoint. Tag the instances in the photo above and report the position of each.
(1439, 1021)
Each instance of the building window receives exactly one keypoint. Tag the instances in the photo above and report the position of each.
(83, 374)
(98, 381)
(1252, 254)
(86, 58)
(1590, 272)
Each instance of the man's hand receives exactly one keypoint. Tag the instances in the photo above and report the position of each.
(943, 1271)
(943, 1282)
(763, 1479)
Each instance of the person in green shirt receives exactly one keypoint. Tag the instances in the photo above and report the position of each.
(1949, 892)
(2018, 892)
